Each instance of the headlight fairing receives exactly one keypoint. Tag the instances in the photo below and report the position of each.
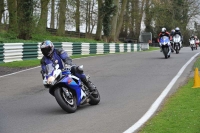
(50, 80)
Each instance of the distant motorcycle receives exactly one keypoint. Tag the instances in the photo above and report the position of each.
(197, 43)
(68, 90)
(177, 43)
(165, 45)
(192, 44)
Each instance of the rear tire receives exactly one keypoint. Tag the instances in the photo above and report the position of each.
(62, 100)
(94, 98)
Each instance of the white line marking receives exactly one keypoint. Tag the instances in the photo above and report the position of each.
(18, 72)
(158, 101)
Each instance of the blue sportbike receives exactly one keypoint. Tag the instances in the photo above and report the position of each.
(68, 90)
(165, 45)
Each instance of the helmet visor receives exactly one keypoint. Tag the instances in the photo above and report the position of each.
(46, 51)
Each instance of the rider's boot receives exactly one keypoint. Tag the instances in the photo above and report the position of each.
(85, 80)
(90, 86)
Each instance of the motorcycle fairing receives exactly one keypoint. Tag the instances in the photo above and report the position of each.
(72, 84)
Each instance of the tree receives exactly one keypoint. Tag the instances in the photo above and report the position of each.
(108, 10)
(99, 22)
(12, 7)
(148, 17)
(42, 24)
(77, 16)
(52, 25)
(114, 22)
(62, 17)
(25, 18)
(121, 18)
(1, 9)
(137, 9)
(170, 14)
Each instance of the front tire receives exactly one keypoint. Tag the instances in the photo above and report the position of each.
(177, 49)
(165, 51)
(68, 105)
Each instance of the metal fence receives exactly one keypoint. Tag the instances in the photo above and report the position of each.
(145, 37)
(25, 51)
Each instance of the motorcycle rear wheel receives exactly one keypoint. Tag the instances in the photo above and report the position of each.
(68, 105)
(94, 98)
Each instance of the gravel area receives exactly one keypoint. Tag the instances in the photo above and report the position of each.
(8, 70)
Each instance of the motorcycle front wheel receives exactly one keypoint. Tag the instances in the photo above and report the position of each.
(165, 51)
(66, 102)
(177, 49)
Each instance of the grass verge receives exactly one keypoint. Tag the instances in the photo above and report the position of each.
(180, 113)
(11, 38)
(153, 48)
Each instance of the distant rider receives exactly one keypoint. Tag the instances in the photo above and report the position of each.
(171, 35)
(192, 37)
(177, 31)
(51, 55)
(164, 33)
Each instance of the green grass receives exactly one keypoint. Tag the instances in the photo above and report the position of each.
(11, 38)
(21, 64)
(153, 48)
(197, 64)
(180, 113)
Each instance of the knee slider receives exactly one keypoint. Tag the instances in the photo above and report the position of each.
(80, 69)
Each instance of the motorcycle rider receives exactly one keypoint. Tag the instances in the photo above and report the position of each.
(192, 37)
(177, 31)
(172, 34)
(196, 41)
(164, 33)
(51, 54)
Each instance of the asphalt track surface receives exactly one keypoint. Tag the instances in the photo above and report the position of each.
(129, 83)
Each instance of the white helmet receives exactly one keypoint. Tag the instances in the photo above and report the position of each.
(177, 29)
(163, 29)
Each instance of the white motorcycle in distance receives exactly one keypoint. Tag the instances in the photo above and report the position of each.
(192, 44)
(177, 43)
